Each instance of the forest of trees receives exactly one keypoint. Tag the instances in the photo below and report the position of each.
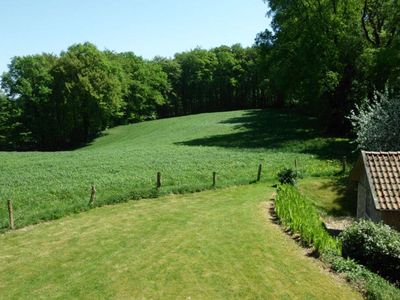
(58, 102)
(328, 55)
(322, 56)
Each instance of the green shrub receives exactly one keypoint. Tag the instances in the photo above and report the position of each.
(288, 176)
(377, 123)
(375, 246)
(298, 214)
(372, 285)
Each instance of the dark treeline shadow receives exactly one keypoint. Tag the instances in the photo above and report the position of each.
(278, 129)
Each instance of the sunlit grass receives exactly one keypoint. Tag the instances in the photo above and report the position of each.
(210, 245)
(186, 150)
(335, 196)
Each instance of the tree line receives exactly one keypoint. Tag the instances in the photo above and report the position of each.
(325, 57)
(54, 102)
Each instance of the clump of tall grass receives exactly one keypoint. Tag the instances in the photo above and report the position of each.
(297, 213)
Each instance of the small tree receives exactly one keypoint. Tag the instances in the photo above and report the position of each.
(377, 125)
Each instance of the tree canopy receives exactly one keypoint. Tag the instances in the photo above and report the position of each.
(324, 57)
(377, 124)
(58, 102)
(328, 55)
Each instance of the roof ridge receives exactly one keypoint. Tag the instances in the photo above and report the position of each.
(382, 152)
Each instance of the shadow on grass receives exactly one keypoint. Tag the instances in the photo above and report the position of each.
(336, 196)
(346, 199)
(280, 130)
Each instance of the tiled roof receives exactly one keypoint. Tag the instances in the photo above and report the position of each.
(383, 171)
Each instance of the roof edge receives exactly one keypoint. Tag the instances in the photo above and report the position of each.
(369, 178)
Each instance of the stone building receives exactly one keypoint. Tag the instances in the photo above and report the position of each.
(378, 177)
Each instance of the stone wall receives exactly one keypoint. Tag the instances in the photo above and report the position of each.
(365, 203)
(391, 218)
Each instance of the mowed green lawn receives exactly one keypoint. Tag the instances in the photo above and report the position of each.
(186, 150)
(209, 245)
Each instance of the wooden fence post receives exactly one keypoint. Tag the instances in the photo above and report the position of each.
(214, 178)
(344, 163)
(158, 180)
(92, 195)
(11, 214)
(259, 172)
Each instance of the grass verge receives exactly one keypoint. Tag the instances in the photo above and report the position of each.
(299, 214)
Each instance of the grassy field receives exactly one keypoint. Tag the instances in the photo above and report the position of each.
(334, 196)
(124, 161)
(210, 245)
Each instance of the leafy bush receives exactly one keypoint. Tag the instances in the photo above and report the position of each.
(376, 246)
(372, 285)
(288, 176)
(298, 213)
(377, 124)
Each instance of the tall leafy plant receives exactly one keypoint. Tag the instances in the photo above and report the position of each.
(377, 125)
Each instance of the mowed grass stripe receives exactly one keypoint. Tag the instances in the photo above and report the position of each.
(210, 245)
(186, 150)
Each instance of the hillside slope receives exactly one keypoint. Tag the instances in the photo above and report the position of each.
(210, 245)
(186, 150)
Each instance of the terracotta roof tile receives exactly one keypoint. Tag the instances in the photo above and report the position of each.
(383, 169)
